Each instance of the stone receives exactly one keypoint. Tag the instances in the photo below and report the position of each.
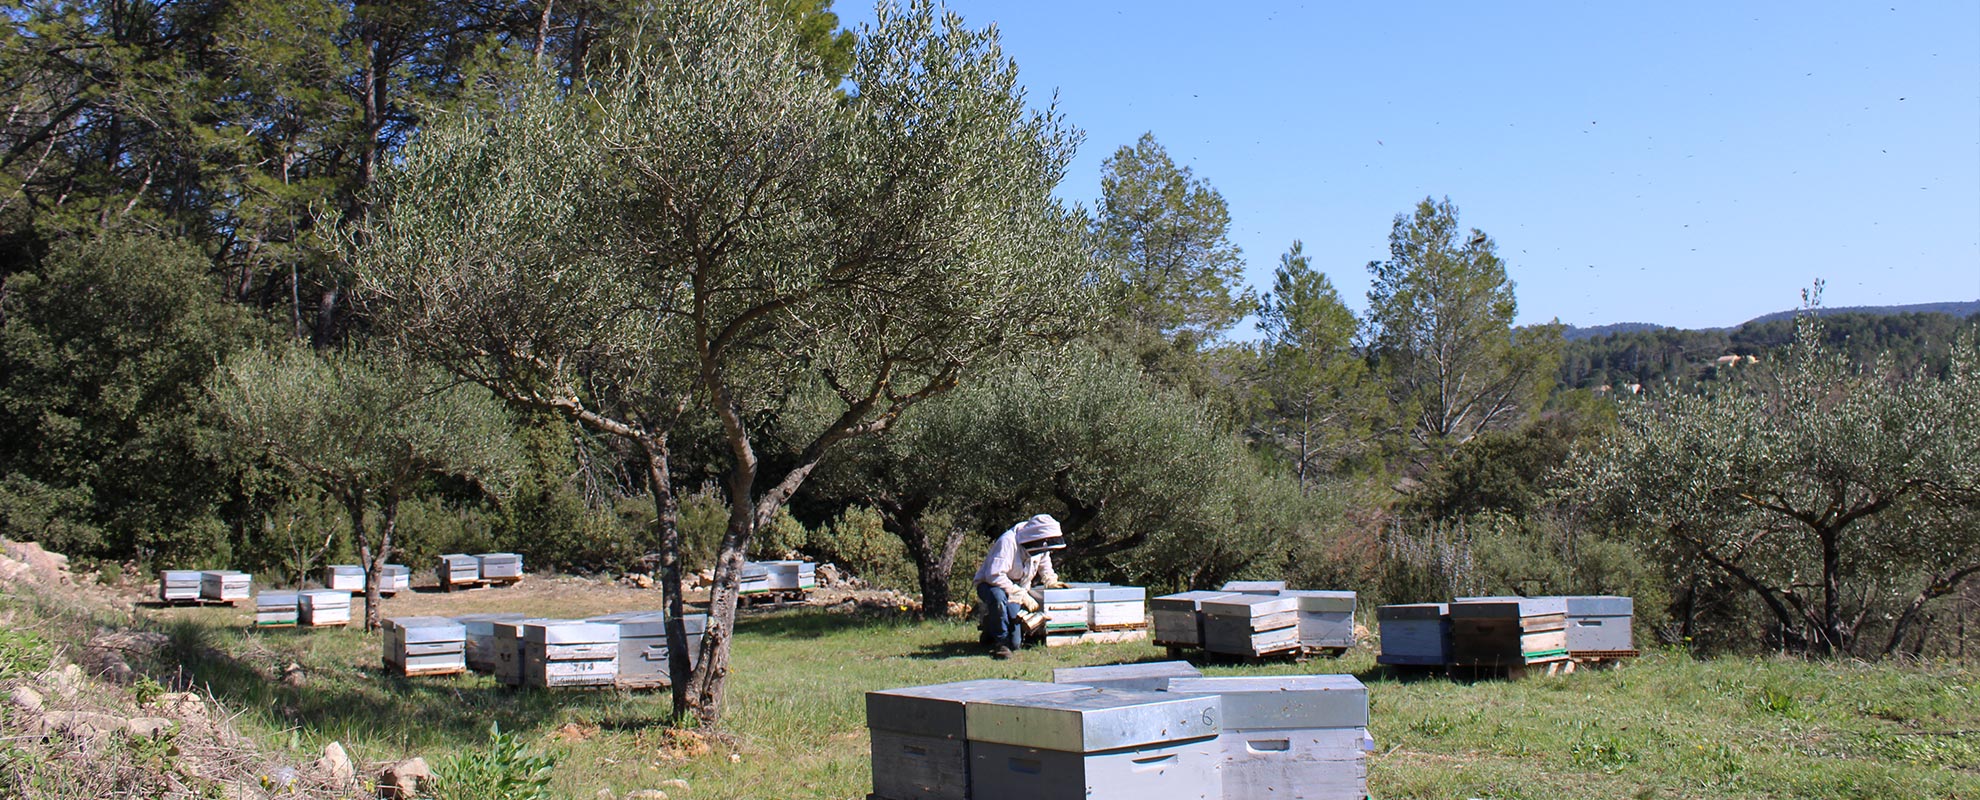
(675, 785)
(646, 794)
(335, 766)
(27, 698)
(63, 683)
(293, 675)
(401, 781)
(149, 727)
(828, 575)
(82, 724)
(605, 794)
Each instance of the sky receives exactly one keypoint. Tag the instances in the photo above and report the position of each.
(1693, 164)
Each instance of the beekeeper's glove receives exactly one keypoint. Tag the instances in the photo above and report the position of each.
(1025, 599)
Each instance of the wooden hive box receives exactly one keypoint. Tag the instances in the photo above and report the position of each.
(1098, 744)
(510, 652)
(478, 631)
(754, 578)
(644, 658)
(1414, 634)
(1067, 610)
(500, 567)
(1117, 607)
(393, 579)
(178, 585)
(323, 607)
(458, 569)
(424, 646)
(1300, 737)
(1600, 624)
(225, 585)
(344, 578)
(921, 735)
(560, 654)
(1508, 631)
(1326, 618)
(1251, 624)
(1179, 617)
(276, 609)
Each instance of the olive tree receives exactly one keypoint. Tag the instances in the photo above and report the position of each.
(715, 209)
(366, 430)
(1813, 482)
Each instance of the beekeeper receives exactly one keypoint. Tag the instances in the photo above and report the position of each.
(1018, 558)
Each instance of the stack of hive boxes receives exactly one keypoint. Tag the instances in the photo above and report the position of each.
(479, 631)
(425, 646)
(178, 585)
(320, 608)
(644, 659)
(1599, 626)
(1116, 608)
(559, 654)
(1068, 611)
(1251, 625)
(457, 570)
(225, 585)
(1151, 676)
(1415, 634)
(1302, 736)
(1326, 619)
(1179, 617)
(393, 579)
(275, 609)
(1495, 632)
(509, 648)
(344, 578)
(1095, 744)
(921, 736)
(755, 578)
(500, 567)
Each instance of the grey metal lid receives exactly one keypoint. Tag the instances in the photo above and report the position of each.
(1254, 586)
(1184, 601)
(1095, 720)
(1066, 595)
(569, 632)
(1322, 600)
(1249, 605)
(1115, 672)
(1506, 607)
(1599, 606)
(939, 710)
(1120, 594)
(1284, 702)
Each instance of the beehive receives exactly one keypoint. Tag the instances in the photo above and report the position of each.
(754, 578)
(225, 585)
(457, 570)
(1508, 632)
(500, 567)
(323, 607)
(1179, 617)
(424, 646)
(275, 609)
(1299, 737)
(1251, 624)
(509, 650)
(1326, 618)
(1100, 744)
(921, 735)
(1117, 607)
(559, 654)
(344, 578)
(393, 579)
(1600, 624)
(178, 585)
(1067, 610)
(644, 657)
(479, 630)
(790, 576)
(1414, 634)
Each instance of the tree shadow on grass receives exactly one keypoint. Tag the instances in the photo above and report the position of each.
(818, 623)
(362, 705)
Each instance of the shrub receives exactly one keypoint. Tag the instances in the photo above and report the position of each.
(506, 770)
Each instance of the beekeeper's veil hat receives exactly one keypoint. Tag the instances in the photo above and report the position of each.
(1040, 533)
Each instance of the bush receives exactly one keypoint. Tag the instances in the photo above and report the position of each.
(857, 541)
(507, 770)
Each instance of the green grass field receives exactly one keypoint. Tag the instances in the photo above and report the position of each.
(1663, 726)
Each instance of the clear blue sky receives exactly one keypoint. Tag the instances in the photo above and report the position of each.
(1686, 163)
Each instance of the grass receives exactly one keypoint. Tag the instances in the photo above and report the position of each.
(1662, 726)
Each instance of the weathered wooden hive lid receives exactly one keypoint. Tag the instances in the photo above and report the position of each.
(459, 559)
(1284, 701)
(324, 598)
(346, 569)
(572, 632)
(396, 569)
(1095, 720)
(1066, 595)
(1405, 611)
(754, 569)
(1184, 601)
(1507, 607)
(940, 710)
(1322, 601)
(416, 630)
(177, 575)
(513, 628)
(499, 558)
(275, 599)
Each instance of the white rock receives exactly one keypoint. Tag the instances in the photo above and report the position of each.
(336, 765)
(27, 698)
(148, 727)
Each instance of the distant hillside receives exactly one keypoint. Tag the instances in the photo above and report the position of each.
(1957, 310)
(1575, 334)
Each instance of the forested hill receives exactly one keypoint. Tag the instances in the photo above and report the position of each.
(1652, 355)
